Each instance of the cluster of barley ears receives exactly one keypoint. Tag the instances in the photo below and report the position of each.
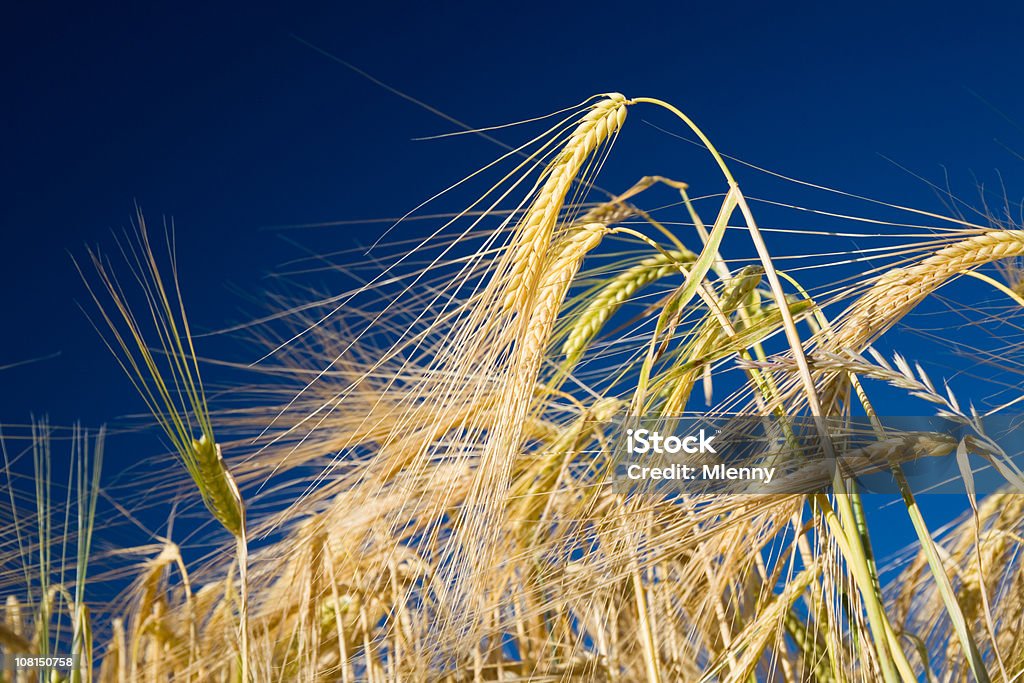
(434, 468)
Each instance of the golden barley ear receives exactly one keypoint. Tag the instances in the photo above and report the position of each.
(900, 289)
(534, 232)
(13, 641)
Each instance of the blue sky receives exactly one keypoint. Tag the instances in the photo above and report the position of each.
(218, 117)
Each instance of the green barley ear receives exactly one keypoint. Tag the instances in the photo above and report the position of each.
(216, 485)
(151, 339)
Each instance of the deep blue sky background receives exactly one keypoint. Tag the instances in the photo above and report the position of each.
(216, 116)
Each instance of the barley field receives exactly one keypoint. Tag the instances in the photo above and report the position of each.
(424, 480)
